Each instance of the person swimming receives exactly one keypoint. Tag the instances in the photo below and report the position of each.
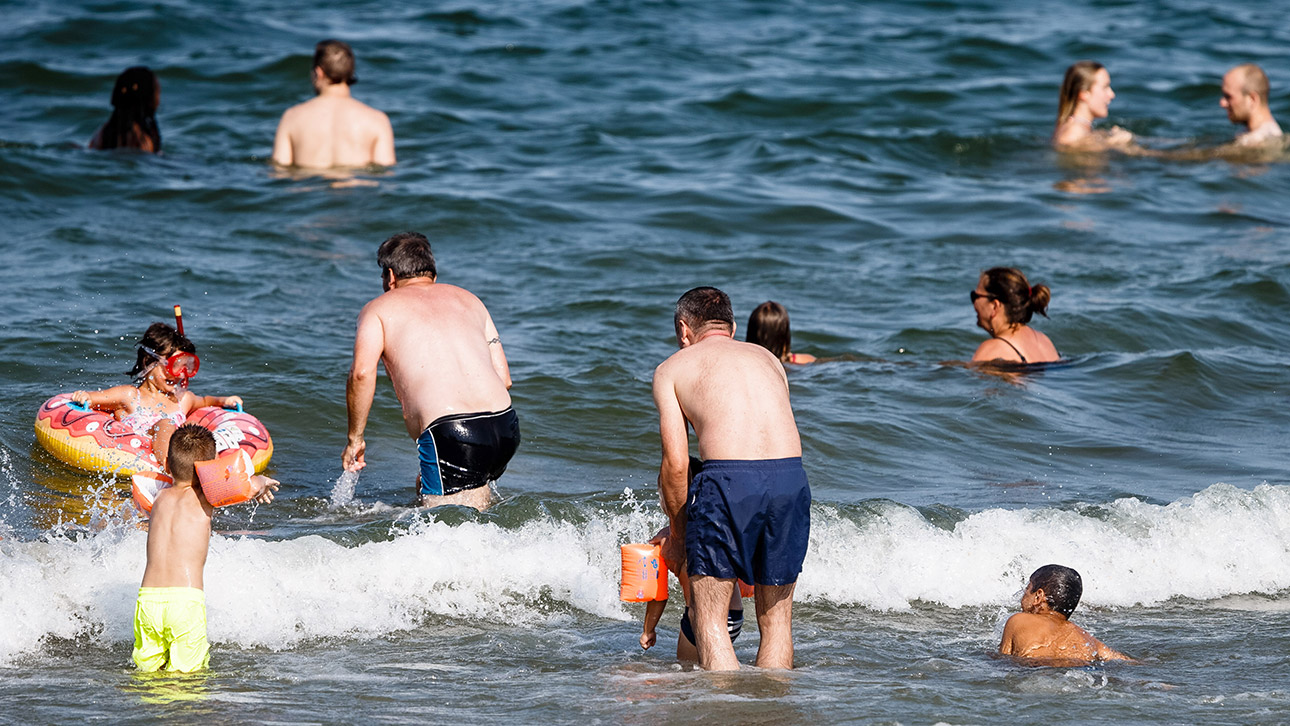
(768, 327)
(1004, 302)
(1085, 96)
(1042, 631)
(133, 123)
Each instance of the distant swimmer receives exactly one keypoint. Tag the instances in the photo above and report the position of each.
(1043, 631)
(747, 513)
(768, 327)
(333, 129)
(133, 123)
(445, 359)
(1086, 93)
(1245, 96)
(1004, 302)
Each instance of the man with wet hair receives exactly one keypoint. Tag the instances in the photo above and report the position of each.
(1043, 631)
(1245, 96)
(333, 129)
(445, 359)
(746, 513)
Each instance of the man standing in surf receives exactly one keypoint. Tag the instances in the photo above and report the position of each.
(445, 359)
(333, 129)
(746, 514)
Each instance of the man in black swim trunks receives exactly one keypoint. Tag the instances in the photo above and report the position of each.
(746, 513)
(445, 359)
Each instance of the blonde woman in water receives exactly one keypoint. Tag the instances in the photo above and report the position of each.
(1086, 94)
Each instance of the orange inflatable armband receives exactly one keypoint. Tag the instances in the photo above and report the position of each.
(644, 574)
(145, 485)
(226, 479)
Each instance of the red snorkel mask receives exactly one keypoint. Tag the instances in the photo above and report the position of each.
(178, 367)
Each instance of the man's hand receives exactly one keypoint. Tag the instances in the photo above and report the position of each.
(354, 457)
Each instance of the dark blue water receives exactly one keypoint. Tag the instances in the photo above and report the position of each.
(578, 166)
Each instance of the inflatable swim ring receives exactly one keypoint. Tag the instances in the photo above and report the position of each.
(96, 441)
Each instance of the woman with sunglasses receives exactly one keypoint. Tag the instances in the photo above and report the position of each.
(159, 400)
(1005, 301)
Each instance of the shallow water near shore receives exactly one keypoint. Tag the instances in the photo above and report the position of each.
(578, 166)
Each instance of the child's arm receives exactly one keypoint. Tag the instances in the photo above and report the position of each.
(653, 611)
(1105, 652)
(192, 402)
(264, 488)
(1006, 646)
(106, 400)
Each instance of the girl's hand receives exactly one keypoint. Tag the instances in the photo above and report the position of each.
(81, 398)
(232, 401)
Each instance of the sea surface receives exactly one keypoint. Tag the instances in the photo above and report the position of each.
(579, 165)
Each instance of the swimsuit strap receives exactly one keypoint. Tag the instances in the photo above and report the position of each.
(1010, 345)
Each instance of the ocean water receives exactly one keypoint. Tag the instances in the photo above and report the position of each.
(578, 165)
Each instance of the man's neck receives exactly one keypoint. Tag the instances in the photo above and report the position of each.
(409, 281)
(714, 333)
(334, 90)
(1258, 117)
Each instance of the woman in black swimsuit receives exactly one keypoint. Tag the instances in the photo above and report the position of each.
(1004, 303)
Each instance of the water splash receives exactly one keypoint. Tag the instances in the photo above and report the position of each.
(343, 493)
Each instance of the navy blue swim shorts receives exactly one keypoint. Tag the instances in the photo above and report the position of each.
(466, 450)
(748, 519)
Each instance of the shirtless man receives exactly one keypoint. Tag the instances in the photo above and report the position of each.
(1042, 630)
(333, 129)
(445, 359)
(746, 514)
(1245, 96)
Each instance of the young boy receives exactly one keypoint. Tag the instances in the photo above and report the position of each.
(1042, 630)
(685, 647)
(170, 615)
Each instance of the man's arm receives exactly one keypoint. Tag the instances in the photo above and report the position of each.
(495, 352)
(672, 485)
(282, 153)
(360, 387)
(383, 147)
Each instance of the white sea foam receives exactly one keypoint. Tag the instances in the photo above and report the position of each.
(1219, 543)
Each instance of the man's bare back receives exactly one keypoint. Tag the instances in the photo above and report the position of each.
(334, 130)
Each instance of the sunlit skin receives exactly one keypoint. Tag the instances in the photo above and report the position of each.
(1094, 103)
(1246, 108)
(1041, 633)
(992, 317)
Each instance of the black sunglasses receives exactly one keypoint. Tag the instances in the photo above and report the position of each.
(978, 295)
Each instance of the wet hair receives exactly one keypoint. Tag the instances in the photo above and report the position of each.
(134, 108)
(703, 307)
(336, 59)
(1062, 587)
(1079, 78)
(1254, 80)
(1020, 301)
(768, 327)
(162, 339)
(188, 445)
(408, 255)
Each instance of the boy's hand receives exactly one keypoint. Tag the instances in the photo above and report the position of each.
(265, 487)
(648, 639)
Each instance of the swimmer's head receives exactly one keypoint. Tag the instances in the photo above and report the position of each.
(703, 309)
(768, 327)
(136, 91)
(188, 445)
(1062, 587)
(336, 61)
(162, 340)
(1019, 299)
(1080, 77)
(406, 255)
(1245, 88)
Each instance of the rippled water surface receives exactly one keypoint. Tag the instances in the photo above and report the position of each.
(578, 165)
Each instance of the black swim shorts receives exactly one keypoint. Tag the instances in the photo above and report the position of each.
(466, 450)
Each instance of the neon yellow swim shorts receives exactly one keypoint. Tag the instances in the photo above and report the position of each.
(170, 629)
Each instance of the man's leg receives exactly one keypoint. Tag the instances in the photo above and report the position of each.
(775, 621)
(708, 616)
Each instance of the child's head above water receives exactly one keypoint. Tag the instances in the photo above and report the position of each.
(188, 445)
(1062, 587)
(159, 342)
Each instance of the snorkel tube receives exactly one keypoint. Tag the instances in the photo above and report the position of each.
(179, 320)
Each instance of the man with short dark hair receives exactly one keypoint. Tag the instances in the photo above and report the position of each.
(746, 513)
(333, 129)
(445, 359)
(1245, 96)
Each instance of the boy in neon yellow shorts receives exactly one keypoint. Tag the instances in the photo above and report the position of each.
(170, 615)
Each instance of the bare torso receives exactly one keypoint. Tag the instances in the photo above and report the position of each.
(1050, 637)
(333, 130)
(179, 533)
(1012, 345)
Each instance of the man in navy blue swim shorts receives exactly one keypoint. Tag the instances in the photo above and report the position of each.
(747, 513)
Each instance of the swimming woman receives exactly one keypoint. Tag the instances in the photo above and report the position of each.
(1086, 93)
(133, 123)
(1004, 303)
(768, 327)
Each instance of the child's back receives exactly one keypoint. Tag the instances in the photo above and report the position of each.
(1043, 631)
(179, 533)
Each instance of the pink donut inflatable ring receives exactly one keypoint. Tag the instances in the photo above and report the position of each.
(96, 441)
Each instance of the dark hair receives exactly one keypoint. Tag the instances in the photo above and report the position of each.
(701, 307)
(336, 59)
(134, 108)
(768, 327)
(163, 340)
(1079, 78)
(1062, 587)
(408, 255)
(188, 445)
(1020, 300)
